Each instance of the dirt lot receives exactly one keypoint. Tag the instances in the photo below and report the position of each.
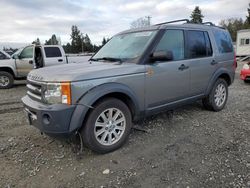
(194, 148)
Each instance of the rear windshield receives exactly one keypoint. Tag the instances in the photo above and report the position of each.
(52, 52)
(223, 41)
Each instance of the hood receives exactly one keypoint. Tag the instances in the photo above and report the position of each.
(84, 71)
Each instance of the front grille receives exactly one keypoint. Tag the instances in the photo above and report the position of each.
(34, 90)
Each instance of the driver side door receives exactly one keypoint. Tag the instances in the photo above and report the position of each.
(25, 61)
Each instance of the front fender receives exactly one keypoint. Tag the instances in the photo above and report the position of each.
(86, 101)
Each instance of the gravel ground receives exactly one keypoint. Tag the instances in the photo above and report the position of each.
(190, 148)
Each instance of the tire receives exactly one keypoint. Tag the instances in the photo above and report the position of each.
(6, 80)
(213, 103)
(247, 81)
(102, 135)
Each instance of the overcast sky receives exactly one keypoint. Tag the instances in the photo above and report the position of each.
(22, 21)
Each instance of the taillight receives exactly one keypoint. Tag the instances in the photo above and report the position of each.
(235, 61)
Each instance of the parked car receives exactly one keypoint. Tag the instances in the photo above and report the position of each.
(138, 73)
(245, 72)
(33, 57)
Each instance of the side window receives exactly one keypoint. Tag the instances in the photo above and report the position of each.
(27, 52)
(247, 41)
(196, 44)
(223, 41)
(172, 40)
(242, 41)
(2, 56)
(52, 52)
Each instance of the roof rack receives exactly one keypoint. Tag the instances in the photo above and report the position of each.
(208, 23)
(174, 21)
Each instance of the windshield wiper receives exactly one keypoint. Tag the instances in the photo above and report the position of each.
(107, 59)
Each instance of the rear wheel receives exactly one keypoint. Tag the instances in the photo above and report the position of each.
(108, 126)
(247, 81)
(217, 98)
(6, 80)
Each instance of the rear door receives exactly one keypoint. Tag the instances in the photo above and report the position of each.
(53, 56)
(167, 81)
(25, 61)
(201, 60)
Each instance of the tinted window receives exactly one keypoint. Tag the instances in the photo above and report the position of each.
(223, 41)
(2, 56)
(52, 52)
(27, 52)
(196, 44)
(172, 40)
(247, 41)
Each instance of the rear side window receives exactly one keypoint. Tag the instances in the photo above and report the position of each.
(52, 52)
(172, 40)
(223, 41)
(196, 44)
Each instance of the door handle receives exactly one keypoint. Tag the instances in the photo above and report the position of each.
(31, 62)
(214, 62)
(183, 67)
(60, 60)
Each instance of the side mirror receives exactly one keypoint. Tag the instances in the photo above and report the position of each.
(16, 56)
(162, 56)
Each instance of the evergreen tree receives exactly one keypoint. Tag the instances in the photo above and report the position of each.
(248, 17)
(196, 16)
(52, 41)
(76, 40)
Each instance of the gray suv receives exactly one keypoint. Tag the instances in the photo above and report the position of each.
(138, 73)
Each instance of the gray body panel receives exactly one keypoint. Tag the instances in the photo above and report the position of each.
(151, 87)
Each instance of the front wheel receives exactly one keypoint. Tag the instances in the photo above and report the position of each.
(108, 126)
(6, 80)
(217, 98)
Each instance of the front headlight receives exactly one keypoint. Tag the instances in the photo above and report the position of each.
(246, 66)
(56, 93)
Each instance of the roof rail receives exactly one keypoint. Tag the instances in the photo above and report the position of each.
(174, 21)
(208, 23)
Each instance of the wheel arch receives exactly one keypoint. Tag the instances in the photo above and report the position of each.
(113, 90)
(9, 70)
(221, 73)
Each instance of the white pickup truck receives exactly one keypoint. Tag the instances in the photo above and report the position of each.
(31, 57)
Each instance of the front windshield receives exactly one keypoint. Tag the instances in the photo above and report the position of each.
(17, 52)
(125, 46)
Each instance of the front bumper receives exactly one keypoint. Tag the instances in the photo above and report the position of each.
(245, 74)
(50, 119)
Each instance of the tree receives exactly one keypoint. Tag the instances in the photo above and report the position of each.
(88, 45)
(247, 22)
(141, 22)
(196, 16)
(76, 40)
(52, 41)
(233, 25)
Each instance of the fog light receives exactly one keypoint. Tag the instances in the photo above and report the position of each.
(46, 119)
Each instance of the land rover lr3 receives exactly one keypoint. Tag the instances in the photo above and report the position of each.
(138, 73)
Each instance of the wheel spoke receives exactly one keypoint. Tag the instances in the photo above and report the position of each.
(119, 128)
(103, 115)
(119, 121)
(99, 132)
(99, 124)
(116, 115)
(104, 136)
(109, 138)
(116, 135)
(110, 114)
